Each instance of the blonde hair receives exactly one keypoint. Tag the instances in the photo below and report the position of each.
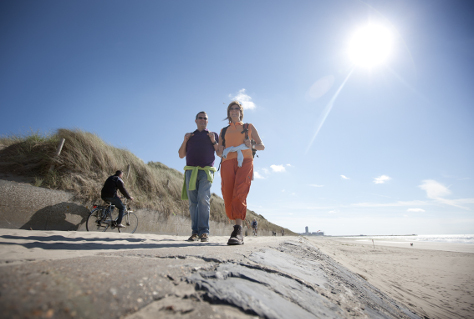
(228, 110)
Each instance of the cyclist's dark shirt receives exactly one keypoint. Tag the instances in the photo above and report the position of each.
(254, 224)
(110, 187)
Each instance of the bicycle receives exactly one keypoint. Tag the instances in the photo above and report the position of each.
(100, 219)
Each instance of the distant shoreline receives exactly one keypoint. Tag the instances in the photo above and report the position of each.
(374, 241)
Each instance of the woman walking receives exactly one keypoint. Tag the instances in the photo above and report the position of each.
(237, 142)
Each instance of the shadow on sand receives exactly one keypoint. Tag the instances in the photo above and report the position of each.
(80, 243)
(54, 217)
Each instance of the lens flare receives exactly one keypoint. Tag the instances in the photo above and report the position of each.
(326, 111)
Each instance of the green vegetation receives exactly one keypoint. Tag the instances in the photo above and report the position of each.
(86, 161)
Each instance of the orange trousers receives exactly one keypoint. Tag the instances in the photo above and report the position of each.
(235, 187)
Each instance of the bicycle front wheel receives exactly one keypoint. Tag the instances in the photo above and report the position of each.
(130, 221)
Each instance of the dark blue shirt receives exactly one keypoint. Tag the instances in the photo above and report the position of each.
(199, 149)
(110, 187)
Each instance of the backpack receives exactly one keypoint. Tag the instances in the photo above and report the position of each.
(246, 131)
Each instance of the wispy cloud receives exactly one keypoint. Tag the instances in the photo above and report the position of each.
(455, 202)
(455, 177)
(434, 190)
(437, 191)
(257, 175)
(300, 207)
(393, 204)
(266, 172)
(315, 185)
(464, 200)
(344, 177)
(382, 179)
(245, 99)
(414, 203)
(278, 168)
(416, 210)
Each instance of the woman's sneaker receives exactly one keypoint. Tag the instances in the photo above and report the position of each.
(236, 238)
(204, 238)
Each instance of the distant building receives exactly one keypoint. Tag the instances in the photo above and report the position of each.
(307, 233)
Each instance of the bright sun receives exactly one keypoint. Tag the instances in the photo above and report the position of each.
(370, 45)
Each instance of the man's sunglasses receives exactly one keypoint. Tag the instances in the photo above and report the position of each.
(202, 118)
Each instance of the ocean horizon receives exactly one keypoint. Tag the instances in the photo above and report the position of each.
(445, 238)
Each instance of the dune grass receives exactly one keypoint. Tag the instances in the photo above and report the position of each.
(85, 163)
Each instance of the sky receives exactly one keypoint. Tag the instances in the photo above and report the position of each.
(350, 148)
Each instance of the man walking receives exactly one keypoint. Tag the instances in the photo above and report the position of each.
(199, 148)
(109, 194)
(254, 226)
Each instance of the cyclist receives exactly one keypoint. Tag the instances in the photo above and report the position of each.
(109, 194)
(254, 226)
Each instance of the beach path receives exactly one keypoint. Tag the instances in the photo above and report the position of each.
(54, 274)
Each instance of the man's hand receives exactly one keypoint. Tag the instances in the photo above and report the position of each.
(182, 149)
(187, 136)
(131, 198)
(212, 136)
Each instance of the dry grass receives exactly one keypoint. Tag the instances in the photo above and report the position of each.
(85, 163)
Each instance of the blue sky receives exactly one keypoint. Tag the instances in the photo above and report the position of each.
(349, 149)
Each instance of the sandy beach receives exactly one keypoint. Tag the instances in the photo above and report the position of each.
(435, 280)
(54, 274)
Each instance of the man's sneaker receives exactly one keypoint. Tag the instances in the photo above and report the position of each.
(120, 226)
(194, 237)
(204, 238)
(236, 238)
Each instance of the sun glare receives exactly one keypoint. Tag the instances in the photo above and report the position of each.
(370, 45)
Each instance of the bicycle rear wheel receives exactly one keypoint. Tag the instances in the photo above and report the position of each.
(93, 222)
(130, 220)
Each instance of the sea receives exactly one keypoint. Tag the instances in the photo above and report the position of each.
(448, 239)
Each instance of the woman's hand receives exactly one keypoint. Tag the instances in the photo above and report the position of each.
(220, 150)
(258, 141)
(248, 143)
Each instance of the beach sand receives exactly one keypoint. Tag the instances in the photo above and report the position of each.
(435, 280)
(56, 274)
